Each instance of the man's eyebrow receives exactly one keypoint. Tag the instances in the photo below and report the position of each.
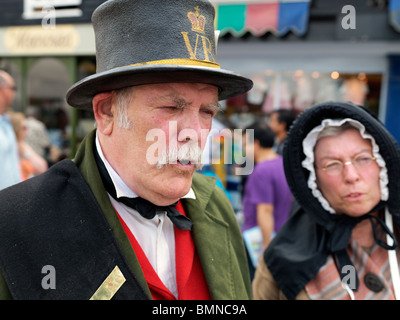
(216, 106)
(182, 103)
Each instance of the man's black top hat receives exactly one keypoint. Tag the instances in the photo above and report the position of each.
(155, 41)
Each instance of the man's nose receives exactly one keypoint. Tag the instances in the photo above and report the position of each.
(190, 128)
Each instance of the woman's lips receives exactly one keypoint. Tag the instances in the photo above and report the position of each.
(354, 196)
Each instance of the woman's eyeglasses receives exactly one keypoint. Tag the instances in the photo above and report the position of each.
(335, 167)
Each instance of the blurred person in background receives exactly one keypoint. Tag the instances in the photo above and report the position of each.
(9, 161)
(267, 197)
(37, 136)
(31, 163)
(280, 122)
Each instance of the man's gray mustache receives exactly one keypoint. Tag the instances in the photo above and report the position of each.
(188, 153)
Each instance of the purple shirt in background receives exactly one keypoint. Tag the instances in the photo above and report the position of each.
(267, 184)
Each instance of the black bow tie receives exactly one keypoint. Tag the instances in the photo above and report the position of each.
(146, 209)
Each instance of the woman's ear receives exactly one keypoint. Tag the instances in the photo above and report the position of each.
(103, 112)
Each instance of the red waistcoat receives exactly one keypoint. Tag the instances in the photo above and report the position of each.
(190, 279)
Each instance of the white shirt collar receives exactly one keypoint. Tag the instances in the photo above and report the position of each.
(121, 188)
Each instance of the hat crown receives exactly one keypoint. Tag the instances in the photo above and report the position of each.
(136, 32)
(141, 42)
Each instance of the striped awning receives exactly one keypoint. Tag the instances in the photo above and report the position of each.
(394, 14)
(261, 16)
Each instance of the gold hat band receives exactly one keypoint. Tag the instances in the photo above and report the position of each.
(186, 62)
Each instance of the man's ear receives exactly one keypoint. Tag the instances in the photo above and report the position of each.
(103, 112)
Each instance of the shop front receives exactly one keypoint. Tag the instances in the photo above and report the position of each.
(44, 64)
(298, 75)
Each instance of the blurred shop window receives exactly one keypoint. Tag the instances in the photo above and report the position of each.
(354, 90)
(297, 90)
(37, 9)
(47, 81)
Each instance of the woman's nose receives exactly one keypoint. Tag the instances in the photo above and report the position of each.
(350, 172)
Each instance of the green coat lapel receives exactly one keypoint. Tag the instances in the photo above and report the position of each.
(218, 240)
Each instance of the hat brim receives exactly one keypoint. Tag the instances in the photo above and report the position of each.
(230, 84)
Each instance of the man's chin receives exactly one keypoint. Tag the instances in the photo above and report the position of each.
(177, 189)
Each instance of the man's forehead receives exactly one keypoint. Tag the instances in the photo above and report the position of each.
(176, 87)
(178, 92)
